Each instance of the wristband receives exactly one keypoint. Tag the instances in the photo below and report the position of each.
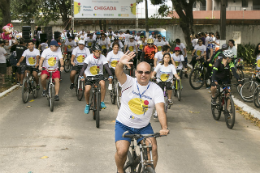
(110, 77)
(81, 77)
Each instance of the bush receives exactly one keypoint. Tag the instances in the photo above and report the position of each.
(246, 52)
(172, 43)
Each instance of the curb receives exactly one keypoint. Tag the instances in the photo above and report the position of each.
(247, 108)
(7, 91)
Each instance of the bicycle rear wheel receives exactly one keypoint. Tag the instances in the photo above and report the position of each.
(98, 96)
(51, 98)
(196, 79)
(230, 113)
(25, 91)
(216, 109)
(247, 91)
(118, 95)
(257, 97)
(240, 73)
(67, 65)
(81, 90)
(149, 170)
(35, 91)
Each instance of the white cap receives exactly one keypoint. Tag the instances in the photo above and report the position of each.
(81, 42)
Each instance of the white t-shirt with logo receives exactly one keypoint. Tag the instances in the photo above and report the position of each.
(31, 56)
(51, 59)
(80, 55)
(165, 73)
(258, 62)
(113, 59)
(2, 55)
(159, 56)
(89, 41)
(178, 61)
(120, 45)
(159, 45)
(131, 46)
(70, 45)
(200, 49)
(182, 47)
(95, 66)
(104, 43)
(127, 38)
(136, 112)
(44, 46)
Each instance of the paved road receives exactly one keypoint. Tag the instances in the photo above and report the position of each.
(72, 143)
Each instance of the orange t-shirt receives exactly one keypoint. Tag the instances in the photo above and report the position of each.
(149, 52)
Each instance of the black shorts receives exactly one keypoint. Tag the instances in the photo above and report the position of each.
(69, 53)
(2, 68)
(221, 81)
(168, 85)
(89, 82)
(77, 68)
(31, 69)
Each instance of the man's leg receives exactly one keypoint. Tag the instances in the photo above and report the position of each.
(103, 90)
(154, 150)
(72, 75)
(57, 86)
(121, 154)
(43, 81)
(35, 75)
(87, 93)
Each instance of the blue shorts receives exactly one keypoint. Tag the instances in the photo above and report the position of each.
(121, 128)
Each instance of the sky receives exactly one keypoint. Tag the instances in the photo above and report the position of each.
(152, 9)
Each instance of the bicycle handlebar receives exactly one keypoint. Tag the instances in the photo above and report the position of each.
(138, 136)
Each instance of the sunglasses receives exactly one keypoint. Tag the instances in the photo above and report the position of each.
(97, 51)
(150, 44)
(144, 72)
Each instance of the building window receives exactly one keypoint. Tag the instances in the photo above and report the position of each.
(244, 3)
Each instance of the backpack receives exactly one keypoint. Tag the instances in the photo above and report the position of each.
(13, 60)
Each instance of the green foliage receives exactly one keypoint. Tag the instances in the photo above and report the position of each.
(157, 2)
(246, 52)
(172, 43)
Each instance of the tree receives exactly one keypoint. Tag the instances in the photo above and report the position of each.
(5, 9)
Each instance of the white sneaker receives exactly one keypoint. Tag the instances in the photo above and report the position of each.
(190, 66)
(110, 87)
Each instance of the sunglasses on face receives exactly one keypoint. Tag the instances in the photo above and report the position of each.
(150, 44)
(97, 51)
(144, 72)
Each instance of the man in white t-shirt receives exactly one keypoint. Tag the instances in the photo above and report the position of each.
(183, 48)
(232, 47)
(93, 67)
(89, 41)
(159, 43)
(79, 54)
(199, 53)
(138, 100)
(70, 44)
(158, 57)
(50, 59)
(32, 56)
(131, 45)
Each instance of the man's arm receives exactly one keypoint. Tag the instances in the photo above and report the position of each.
(72, 60)
(37, 61)
(20, 60)
(155, 61)
(185, 52)
(162, 118)
(61, 64)
(40, 64)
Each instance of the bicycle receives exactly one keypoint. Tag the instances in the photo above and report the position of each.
(29, 86)
(67, 63)
(113, 92)
(178, 86)
(222, 105)
(239, 67)
(197, 77)
(139, 163)
(50, 89)
(257, 97)
(118, 95)
(95, 103)
(80, 87)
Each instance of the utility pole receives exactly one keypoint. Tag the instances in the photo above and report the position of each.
(146, 19)
(72, 16)
(223, 20)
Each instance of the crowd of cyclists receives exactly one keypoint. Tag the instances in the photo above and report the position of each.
(152, 58)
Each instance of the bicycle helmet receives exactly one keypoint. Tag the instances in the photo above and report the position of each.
(224, 47)
(98, 33)
(228, 54)
(177, 49)
(96, 47)
(116, 38)
(150, 40)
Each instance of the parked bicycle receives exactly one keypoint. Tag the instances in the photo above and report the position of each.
(224, 103)
(139, 163)
(95, 103)
(29, 86)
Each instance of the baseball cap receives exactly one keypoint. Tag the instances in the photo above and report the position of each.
(81, 42)
(54, 43)
(132, 37)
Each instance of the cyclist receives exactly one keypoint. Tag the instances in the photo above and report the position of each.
(139, 98)
(149, 52)
(165, 71)
(79, 54)
(127, 36)
(70, 44)
(32, 56)
(158, 58)
(232, 47)
(89, 41)
(131, 46)
(183, 49)
(50, 58)
(93, 66)
(98, 37)
(200, 50)
(104, 43)
(113, 58)
(178, 59)
(166, 42)
(152, 36)
(221, 73)
(116, 40)
(159, 43)
(43, 45)
(141, 44)
(19, 49)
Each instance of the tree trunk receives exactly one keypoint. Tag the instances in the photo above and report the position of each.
(100, 25)
(5, 8)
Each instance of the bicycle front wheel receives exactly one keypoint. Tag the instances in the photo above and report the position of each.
(80, 88)
(149, 170)
(179, 91)
(51, 98)
(25, 91)
(247, 91)
(216, 109)
(257, 97)
(229, 112)
(240, 73)
(35, 91)
(128, 167)
(67, 65)
(98, 96)
(196, 79)
(118, 95)
(166, 104)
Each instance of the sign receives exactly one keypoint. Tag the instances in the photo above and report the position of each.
(116, 9)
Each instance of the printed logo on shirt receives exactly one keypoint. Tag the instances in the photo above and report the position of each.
(164, 77)
(159, 48)
(114, 63)
(258, 63)
(31, 60)
(81, 58)
(177, 63)
(134, 118)
(198, 52)
(94, 70)
(69, 47)
(138, 106)
(52, 61)
(131, 48)
(141, 46)
(89, 44)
